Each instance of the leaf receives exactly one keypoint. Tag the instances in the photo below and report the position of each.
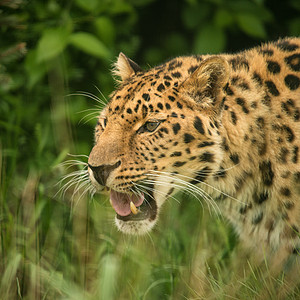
(251, 25)
(88, 5)
(193, 15)
(175, 44)
(141, 2)
(210, 39)
(295, 4)
(89, 44)
(105, 29)
(294, 27)
(250, 8)
(121, 7)
(223, 18)
(108, 271)
(52, 43)
(34, 69)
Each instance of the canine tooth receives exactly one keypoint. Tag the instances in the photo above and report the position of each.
(133, 208)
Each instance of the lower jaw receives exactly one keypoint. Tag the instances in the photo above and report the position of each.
(147, 211)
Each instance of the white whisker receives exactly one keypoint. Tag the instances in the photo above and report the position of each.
(193, 190)
(102, 95)
(198, 181)
(72, 163)
(94, 115)
(78, 155)
(89, 95)
(96, 109)
(172, 184)
(156, 191)
(140, 187)
(84, 192)
(77, 180)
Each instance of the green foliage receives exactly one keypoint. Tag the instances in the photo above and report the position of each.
(251, 25)
(52, 43)
(210, 39)
(54, 247)
(89, 44)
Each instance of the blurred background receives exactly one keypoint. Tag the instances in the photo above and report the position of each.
(61, 244)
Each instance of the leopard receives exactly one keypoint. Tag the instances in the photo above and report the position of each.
(223, 127)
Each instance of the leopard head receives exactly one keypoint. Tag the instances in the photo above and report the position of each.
(159, 133)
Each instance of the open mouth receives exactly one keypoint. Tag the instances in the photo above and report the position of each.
(133, 207)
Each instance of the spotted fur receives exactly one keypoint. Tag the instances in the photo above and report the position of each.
(228, 128)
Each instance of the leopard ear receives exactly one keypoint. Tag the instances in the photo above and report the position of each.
(205, 85)
(124, 68)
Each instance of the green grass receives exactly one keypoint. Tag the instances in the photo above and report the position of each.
(55, 247)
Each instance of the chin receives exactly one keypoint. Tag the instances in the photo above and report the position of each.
(141, 222)
(140, 227)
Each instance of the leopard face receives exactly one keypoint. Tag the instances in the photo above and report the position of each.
(154, 138)
(224, 128)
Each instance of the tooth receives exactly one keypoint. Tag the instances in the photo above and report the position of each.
(133, 208)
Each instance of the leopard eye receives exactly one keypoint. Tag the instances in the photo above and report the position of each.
(149, 126)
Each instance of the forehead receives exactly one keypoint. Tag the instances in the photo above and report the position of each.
(147, 90)
(153, 91)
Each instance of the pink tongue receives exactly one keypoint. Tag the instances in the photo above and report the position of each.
(121, 202)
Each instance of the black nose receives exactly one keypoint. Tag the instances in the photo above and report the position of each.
(102, 172)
